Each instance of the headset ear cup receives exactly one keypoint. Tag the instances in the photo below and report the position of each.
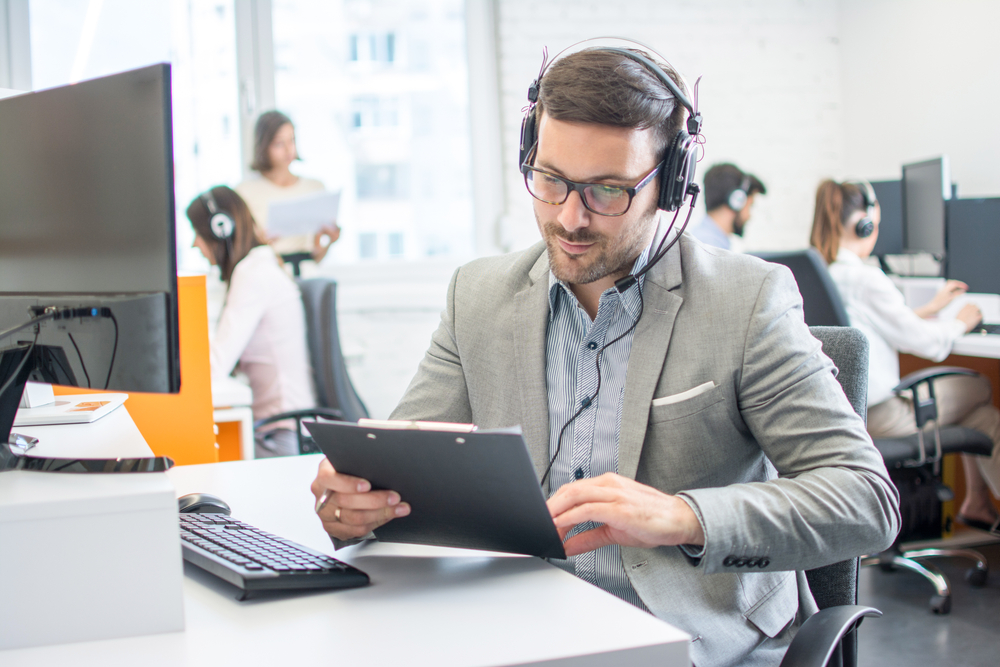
(865, 227)
(737, 200)
(677, 172)
(529, 135)
(222, 225)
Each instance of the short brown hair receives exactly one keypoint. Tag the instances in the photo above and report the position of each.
(267, 126)
(835, 204)
(607, 88)
(246, 235)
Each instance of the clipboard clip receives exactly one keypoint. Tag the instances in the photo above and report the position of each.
(404, 425)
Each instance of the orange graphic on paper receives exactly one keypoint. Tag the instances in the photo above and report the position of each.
(89, 406)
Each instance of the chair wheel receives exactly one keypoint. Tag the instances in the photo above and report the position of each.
(976, 577)
(940, 604)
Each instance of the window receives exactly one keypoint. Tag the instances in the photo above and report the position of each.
(396, 244)
(378, 92)
(73, 40)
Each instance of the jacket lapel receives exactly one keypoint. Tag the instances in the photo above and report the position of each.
(532, 318)
(649, 351)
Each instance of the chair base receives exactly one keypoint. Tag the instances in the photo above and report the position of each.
(940, 602)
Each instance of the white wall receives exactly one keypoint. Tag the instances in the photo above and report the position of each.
(921, 78)
(770, 94)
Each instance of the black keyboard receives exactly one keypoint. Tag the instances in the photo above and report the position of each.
(256, 561)
(987, 329)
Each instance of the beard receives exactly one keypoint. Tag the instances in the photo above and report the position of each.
(608, 256)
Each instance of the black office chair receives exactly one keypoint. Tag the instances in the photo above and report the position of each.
(336, 397)
(820, 298)
(914, 471)
(830, 636)
(295, 259)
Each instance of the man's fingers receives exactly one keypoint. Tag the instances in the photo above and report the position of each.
(328, 479)
(358, 523)
(588, 540)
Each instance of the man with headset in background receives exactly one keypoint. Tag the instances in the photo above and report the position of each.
(681, 418)
(729, 198)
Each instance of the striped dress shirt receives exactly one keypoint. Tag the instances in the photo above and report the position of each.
(590, 443)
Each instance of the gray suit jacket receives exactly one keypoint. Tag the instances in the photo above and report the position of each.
(775, 463)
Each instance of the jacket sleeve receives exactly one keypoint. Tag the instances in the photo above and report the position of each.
(832, 498)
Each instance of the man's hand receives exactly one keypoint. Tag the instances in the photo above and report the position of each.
(352, 509)
(633, 515)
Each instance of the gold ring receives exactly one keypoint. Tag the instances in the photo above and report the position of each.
(336, 514)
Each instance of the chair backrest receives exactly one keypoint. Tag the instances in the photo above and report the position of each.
(837, 584)
(333, 384)
(820, 298)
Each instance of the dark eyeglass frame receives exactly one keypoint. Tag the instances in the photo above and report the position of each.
(580, 188)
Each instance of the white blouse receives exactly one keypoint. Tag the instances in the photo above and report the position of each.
(876, 307)
(262, 326)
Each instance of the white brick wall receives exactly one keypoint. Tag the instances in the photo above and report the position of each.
(770, 93)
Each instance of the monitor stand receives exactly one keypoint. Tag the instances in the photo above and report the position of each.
(15, 369)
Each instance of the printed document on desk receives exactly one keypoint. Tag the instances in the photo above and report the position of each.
(469, 490)
(302, 216)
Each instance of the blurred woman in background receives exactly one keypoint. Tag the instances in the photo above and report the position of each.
(262, 325)
(845, 229)
(273, 154)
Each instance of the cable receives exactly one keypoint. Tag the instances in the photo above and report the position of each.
(35, 320)
(622, 285)
(114, 350)
(82, 365)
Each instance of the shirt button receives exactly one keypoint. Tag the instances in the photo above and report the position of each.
(579, 473)
(592, 345)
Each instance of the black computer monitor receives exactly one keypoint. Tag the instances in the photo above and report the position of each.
(973, 240)
(87, 239)
(890, 229)
(926, 187)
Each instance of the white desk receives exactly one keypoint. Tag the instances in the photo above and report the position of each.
(425, 606)
(978, 345)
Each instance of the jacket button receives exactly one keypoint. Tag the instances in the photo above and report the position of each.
(764, 562)
(740, 562)
(728, 561)
(752, 562)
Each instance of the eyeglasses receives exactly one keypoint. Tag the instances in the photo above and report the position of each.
(599, 198)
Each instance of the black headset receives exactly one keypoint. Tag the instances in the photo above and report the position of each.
(677, 168)
(220, 222)
(866, 225)
(738, 198)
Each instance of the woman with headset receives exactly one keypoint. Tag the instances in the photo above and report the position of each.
(262, 326)
(844, 231)
(273, 154)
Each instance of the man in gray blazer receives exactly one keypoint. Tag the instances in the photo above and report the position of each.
(697, 448)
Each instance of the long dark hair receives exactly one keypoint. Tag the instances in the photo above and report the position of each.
(267, 126)
(246, 235)
(835, 204)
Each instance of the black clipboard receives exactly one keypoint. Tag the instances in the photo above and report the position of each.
(469, 490)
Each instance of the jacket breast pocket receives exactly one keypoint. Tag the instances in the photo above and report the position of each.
(672, 411)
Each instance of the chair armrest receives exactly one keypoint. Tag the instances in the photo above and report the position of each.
(916, 377)
(820, 635)
(299, 415)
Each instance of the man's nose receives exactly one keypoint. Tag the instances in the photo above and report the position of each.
(573, 214)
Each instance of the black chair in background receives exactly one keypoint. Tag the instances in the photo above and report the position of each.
(830, 636)
(820, 298)
(295, 259)
(336, 398)
(914, 466)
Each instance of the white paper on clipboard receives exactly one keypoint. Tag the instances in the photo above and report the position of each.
(302, 216)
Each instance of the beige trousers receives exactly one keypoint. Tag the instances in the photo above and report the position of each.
(962, 400)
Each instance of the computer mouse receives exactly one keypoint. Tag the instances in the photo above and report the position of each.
(202, 503)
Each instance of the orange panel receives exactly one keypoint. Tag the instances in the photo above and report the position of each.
(229, 441)
(179, 425)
